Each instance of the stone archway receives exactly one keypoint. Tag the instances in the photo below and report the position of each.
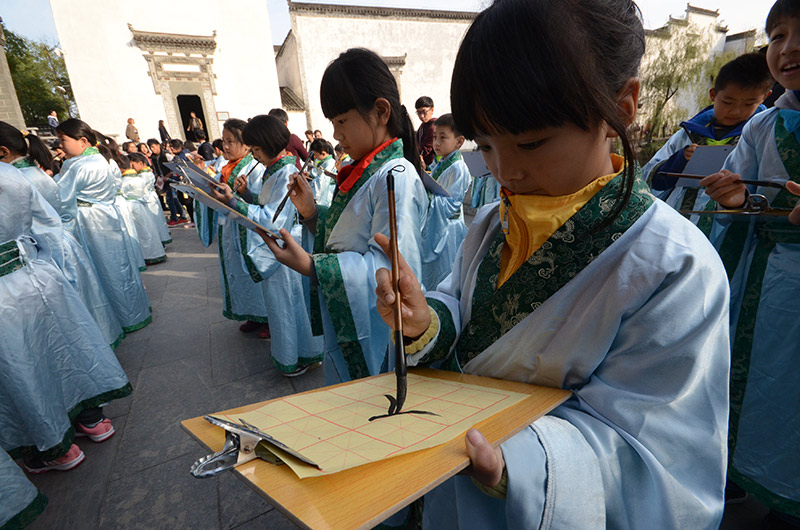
(181, 65)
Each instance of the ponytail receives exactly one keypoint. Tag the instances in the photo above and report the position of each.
(39, 152)
(409, 136)
(25, 145)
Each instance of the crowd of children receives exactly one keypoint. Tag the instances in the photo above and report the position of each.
(73, 247)
(678, 344)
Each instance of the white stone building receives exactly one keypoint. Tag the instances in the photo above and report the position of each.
(419, 46)
(713, 38)
(152, 60)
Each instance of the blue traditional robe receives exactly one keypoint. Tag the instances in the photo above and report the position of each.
(346, 258)
(131, 198)
(22, 502)
(54, 361)
(154, 205)
(444, 225)
(70, 256)
(762, 258)
(633, 320)
(670, 159)
(86, 187)
(292, 344)
(132, 244)
(242, 289)
(323, 185)
(485, 190)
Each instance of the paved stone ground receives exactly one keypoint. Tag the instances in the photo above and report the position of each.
(188, 362)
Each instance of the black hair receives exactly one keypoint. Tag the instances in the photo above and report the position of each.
(28, 145)
(317, 131)
(235, 126)
(578, 56)
(747, 71)
(107, 146)
(140, 158)
(125, 146)
(446, 120)
(780, 10)
(124, 162)
(176, 144)
(217, 144)
(200, 135)
(267, 132)
(280, 114)
(355, 80)
(320, 144)
(338, 149)
(152, 141)
(424, 101)
(189, 146)
(309, 131)
(77, 129)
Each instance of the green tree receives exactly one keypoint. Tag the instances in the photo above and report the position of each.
(674, 61)
(40, 76)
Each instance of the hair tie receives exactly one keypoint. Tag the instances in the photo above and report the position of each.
(97, 144)
(24, 134)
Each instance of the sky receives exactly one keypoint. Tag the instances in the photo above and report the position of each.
(33, 18)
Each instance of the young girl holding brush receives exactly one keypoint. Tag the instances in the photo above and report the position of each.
(293, 348)
(359, 95)
(578, 279)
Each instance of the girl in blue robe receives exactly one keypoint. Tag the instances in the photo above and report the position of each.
(762, 259)
(131, 198)
(56, 368)
(293, 348)
(86, 188)
(242, 287)
(29, 155)
(359, 95)
(578, 279)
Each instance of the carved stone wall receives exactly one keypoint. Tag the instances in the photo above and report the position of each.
(180, 65)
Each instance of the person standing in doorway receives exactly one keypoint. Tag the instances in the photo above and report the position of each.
(131, 132)
(195, 126)
(424, 106)
(162, 130)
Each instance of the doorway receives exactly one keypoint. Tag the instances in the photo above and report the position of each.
(187, 104)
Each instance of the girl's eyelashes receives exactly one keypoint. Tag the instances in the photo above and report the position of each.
(530, 146)
(484, 148)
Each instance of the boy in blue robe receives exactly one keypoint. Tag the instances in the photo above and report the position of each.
(739, 90)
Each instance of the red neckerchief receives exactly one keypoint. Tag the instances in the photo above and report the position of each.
(349, 175)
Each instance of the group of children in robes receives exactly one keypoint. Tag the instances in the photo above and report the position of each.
(761, 255)
(71, 291)
(578, 278)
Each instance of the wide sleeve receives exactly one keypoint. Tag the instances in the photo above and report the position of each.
(46, 227)
(269, 199)
(456, 181)
(347, 279)
(677, 142)
(651, 421)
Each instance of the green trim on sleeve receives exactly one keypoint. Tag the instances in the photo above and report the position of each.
(334, 291)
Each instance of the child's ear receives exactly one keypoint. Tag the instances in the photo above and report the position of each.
(628, 99)
(768, 94)
(383, 110)
(459, 142)
(712, 94)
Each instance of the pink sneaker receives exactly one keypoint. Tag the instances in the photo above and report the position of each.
(99, 432)
(63, 463)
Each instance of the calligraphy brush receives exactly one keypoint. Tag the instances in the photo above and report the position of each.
(291, 188)
(764, 183)
(400, 367)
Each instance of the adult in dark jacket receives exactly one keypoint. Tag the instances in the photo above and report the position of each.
(424, 106)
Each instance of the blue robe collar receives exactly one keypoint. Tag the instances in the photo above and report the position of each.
(702, 123)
